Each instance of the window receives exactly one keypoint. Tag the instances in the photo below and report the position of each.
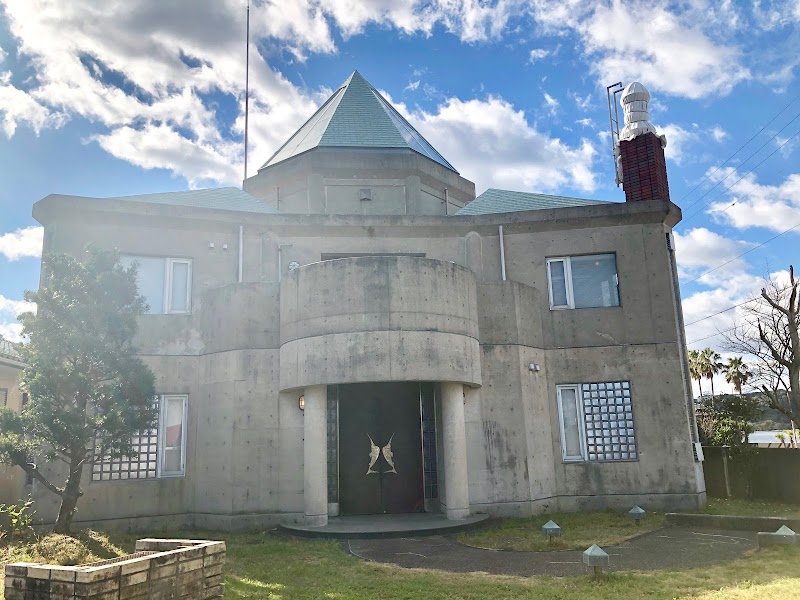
(158, 452)
(583, 281)
(4, 396)
(171, 443)
(165, 283)
(596, 422)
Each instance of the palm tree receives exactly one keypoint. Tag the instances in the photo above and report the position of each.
(711, 363)
(737, 373)
(695, 369)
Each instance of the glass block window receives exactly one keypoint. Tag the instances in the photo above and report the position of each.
(333, 444)
(3, 396)
(608, 413)
(429, 457)
(596, 421)
(157, 452)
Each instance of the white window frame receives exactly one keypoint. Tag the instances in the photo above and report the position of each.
(169, 262)
(162, 435)
(568, 281)
(579, 418)
(168, 271)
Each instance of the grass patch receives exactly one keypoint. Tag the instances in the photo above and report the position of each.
(578, 531)
(86, 546)
(260, 566)
(748, 508)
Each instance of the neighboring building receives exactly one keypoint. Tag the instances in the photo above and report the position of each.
(12, 479)
(356, 333)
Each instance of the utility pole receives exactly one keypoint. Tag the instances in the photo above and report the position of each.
(247, 88)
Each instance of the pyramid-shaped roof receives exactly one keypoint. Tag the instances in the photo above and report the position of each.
(356, 116)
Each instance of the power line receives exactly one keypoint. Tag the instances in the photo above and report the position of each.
(734, 306)
(711, 336)
(727, 160)
(722, 193)
(727, 262)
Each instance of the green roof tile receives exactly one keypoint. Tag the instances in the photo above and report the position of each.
(227, 198)
(356, 116)
(494, 201)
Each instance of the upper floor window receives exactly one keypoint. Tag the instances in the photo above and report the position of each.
(583, 281)
(165, 283)
(3, 396)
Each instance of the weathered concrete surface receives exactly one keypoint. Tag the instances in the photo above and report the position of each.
(248, 349)
(378, 318)
(328, 181)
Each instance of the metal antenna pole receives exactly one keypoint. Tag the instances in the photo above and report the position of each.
(247, 89)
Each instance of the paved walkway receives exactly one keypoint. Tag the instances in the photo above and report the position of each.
(668, 548)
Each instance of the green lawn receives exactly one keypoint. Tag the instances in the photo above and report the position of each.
(759, 508)
(260, 566)
(578, 531)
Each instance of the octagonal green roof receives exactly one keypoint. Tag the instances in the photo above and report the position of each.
(356, 116)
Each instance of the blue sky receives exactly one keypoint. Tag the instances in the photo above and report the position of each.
(115, 98)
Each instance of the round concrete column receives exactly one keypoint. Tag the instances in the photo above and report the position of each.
(455, 451)
(315, 455)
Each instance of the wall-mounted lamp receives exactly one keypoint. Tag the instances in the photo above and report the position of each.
(301, 402)
(210, 245)
(534, 367)
(224, 246)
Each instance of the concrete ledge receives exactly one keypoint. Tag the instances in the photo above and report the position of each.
(385, 526)
(732, 522)
(769, 538)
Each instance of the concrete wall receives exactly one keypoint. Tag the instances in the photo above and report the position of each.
(328, 181)
(12, 479)
(380, 318)
(244, 351)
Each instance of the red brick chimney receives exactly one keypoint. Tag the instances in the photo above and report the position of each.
(641, 150)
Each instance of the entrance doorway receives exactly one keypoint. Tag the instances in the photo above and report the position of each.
(380, 449)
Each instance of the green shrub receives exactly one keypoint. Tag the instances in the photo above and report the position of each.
(15, 520)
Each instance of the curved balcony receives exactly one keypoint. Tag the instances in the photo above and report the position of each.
(379, 318)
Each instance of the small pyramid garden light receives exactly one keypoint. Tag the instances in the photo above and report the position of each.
(637, 513)
(594, 556)
(551, 529)
(784, 535)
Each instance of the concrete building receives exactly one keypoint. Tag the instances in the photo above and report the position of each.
(355, 333)
(12, 479)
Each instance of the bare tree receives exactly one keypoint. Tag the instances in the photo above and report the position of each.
(768, 331)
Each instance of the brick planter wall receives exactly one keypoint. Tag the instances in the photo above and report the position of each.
(158, 570)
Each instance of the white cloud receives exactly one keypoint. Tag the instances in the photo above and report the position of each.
(538, 54)
(701, 249)
(22, 243)
(718, 133)
(10, 329)
(496, 146)
(750, 204)
(582, 102)
(586, 122)
(645, 41)
(677, 139)
(552, 103)
(18, 107)
(413, 85)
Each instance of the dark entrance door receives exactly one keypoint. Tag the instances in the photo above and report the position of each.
(380, 449)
